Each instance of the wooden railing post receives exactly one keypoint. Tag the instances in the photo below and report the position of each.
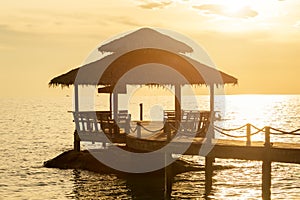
(138, 130)
(248, 134)
(168, 131)
(267, 136)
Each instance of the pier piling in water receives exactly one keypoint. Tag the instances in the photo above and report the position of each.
(76, 141)
(266, 167)
(208, 174)
(266, 179)
(168, 176)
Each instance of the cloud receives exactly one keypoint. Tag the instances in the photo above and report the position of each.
(213, 9)
(8, 31)
(154, 4)
(297, 24)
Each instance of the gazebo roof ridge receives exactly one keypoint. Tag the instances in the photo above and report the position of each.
(145, 37)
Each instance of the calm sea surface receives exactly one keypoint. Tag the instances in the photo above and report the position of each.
(34, 130)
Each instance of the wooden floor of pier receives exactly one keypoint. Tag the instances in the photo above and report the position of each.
(149, 137)
(222, 148)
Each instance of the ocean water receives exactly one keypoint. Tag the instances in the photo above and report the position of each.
(34, 130)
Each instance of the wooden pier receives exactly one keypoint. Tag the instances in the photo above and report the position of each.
(144, 141)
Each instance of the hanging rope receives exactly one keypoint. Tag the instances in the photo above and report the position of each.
(255, 127)
(151, 131)
(228, 135)
(237, 136)
(232, 129)
(280, 132)
(221, 131)
(258, 130)
(133, 130)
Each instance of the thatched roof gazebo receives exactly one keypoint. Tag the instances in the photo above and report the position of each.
(145, 57)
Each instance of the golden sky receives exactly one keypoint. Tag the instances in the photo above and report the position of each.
(256, 41)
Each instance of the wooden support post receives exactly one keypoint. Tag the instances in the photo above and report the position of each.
(208, 174)
(110, 102)
(177, 104)
(76, 97)
(248, 135)
(266, 167)
(168, 131)
(212, 109)
(141, 112)
(115, 105)
(168, 176)
(76, 136)
(76, 142)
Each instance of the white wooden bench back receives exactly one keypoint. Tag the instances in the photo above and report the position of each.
(86, 122)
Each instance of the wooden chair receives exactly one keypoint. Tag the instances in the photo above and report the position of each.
(189, 121)
(205, 118)
(108, 125)
(123, 121)
(192, 121)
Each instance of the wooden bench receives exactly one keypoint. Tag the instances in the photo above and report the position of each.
(102, 122)
(86, 122)
(192, 121)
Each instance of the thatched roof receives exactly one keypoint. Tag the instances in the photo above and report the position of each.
(145, 38)
(145, 56)
(144, 66)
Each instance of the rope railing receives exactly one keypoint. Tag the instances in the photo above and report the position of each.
(259, 130)
(255, 127)
(231, 129)
(151, 131)
(281, 132)
(236, 136)
(266, 130)
(228, 135)
(138, 127)
(133, 130)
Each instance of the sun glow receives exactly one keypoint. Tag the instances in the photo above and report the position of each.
(234, 6)
(238, 6)
(246, 15)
